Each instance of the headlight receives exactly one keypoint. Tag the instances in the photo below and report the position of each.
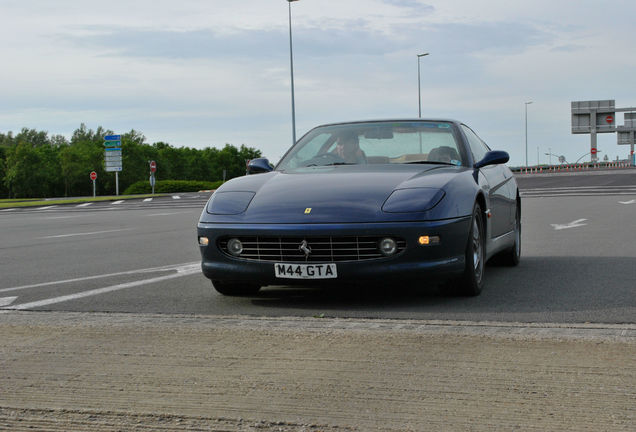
(229, 203)
(412, 200)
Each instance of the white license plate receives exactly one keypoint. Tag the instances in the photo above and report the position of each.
(305, 271)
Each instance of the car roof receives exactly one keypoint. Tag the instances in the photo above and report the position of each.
(390, 120)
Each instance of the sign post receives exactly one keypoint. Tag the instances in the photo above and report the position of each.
(113, 157)
(153, 169)
(93, 178)
(593, 117)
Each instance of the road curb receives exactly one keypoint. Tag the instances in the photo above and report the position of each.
(583, 331)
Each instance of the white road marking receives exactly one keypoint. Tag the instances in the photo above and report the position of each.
(8, 210)
(185, 270)
(84, 205)
(176, 197)
(6, 301)
(628, 202)
(117, 202)
(107, 275)
(83, 234)
(46, 208)
(148, 199)
(167, 214)
(574, 224)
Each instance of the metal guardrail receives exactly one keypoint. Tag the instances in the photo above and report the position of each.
(540, 169)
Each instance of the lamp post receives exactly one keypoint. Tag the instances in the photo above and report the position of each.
(527, 103)
(577, 161)
(419, 86)
(291, 67)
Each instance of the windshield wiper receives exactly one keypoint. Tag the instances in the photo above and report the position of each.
(330, 164)
(431, 162)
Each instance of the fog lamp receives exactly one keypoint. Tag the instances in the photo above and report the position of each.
(234, 246)
(203, 241)
(388, 246)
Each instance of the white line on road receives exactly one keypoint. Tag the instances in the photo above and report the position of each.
(574, 224)
(8, 210)
(171, 267)
(148, 199)
(167, 214)
(117, 202)
(181, 271)
(46, 208)
(628, 202)
(6, 301)
(84, 205)
(83, 234)
(176, 197)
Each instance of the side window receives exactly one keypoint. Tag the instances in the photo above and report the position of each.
(477, 146)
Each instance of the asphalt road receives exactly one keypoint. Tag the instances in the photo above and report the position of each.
(578, 264)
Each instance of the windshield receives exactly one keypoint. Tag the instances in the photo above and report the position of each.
(376, 143)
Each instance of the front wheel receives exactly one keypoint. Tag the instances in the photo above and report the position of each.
(235, 289)
(472, 281)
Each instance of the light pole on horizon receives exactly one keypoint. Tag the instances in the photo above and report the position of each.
(291, 67)
(527, 103)
(419, 86)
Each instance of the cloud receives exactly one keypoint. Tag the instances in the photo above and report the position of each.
(413, 6)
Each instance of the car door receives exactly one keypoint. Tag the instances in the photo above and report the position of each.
(494, 180)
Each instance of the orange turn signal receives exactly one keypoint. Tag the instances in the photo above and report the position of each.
(428, 240)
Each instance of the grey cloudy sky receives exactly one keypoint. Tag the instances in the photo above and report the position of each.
(204, 73)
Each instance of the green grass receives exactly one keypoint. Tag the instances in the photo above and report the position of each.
(32, 202)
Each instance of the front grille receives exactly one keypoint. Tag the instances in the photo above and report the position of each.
(323, 249)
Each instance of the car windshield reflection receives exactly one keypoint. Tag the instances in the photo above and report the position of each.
(386, 142)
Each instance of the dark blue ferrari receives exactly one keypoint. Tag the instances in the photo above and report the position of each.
(366, 202)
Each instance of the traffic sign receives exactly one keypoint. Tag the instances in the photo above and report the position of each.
(113, 168)
(153, 166)
(593, 151)
(112, 144)
(93, 175)
(112, 138)
(609, 119)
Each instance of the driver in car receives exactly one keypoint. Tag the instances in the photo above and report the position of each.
(348, 148)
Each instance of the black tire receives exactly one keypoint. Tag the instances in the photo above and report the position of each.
(472, 281)
(512, 256)
(235, 289)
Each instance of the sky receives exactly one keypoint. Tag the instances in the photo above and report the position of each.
(203, 73)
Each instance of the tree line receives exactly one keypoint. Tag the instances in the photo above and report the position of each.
(35, 165)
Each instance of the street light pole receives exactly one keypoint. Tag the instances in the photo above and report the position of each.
(419, 86)
(291, 67)
(527, 103)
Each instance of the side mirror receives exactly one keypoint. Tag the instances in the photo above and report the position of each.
(257, 166)
(493, 157)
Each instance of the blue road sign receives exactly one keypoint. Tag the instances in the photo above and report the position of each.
(112, 138)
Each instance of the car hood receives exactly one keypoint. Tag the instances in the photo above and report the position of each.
(337, 194)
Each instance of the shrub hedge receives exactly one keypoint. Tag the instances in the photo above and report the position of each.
(171, 186)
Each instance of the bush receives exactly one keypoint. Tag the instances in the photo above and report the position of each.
(171, 186)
